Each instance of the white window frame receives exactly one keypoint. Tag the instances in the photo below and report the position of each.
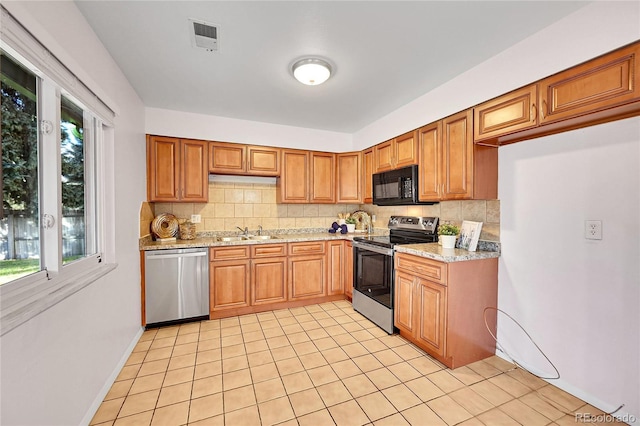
(26, 297)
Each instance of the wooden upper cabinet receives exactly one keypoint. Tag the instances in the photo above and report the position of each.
(452, 167)
(323, 171)
(506, 114)
(177, 170)
(399, 152)
(406, 149)
(605, 82)
(367, 176)
(263, 161)
(349, 177)
(383, 156)
(457, 156)
(227, 158)
(293, 183)
(194, 174)
(430, 147)
(238, 159)
(163, 168)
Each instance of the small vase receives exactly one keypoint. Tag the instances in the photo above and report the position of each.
(341, 222)
(448, 241)
(351, 227)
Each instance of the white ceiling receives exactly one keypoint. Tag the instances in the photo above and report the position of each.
(386, 53)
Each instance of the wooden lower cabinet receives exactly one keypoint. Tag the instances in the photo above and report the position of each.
(254, 278)
(440, 307)
(229, 284)
(348, 269)
(307, 277)
(268, 280)
(335, 270)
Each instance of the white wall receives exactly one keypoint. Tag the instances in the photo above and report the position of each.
(199, 126)
(578, 298)
(54, 368)
(591, 31)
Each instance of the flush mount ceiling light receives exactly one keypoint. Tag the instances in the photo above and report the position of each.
(311, 71)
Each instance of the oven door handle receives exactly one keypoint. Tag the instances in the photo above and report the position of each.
(381, 250)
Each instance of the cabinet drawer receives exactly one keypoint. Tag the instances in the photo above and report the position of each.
(232, 252)
(310, 247)
(268, 250)
(431, 269)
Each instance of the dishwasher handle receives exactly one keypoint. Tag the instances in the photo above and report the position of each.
(175, 255)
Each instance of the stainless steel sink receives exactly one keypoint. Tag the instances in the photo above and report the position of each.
(226, 239)
(262, 237)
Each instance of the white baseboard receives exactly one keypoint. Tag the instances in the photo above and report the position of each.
(622, 415)
(93, 408)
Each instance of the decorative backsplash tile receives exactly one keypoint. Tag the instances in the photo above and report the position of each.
(250, 205)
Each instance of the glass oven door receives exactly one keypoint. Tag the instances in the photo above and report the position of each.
(373, 272)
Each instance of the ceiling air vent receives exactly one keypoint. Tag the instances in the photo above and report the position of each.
(204, 35)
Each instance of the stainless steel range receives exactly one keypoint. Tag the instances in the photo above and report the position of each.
(373, 266)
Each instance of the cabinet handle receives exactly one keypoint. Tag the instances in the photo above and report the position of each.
(534, 112)
(542, 110)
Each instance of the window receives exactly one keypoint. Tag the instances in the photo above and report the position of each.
(52, 221)
(19, 224)
(71, 150)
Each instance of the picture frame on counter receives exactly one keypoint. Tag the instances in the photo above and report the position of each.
(469, 235)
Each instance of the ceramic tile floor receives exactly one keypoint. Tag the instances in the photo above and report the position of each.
(317, 365)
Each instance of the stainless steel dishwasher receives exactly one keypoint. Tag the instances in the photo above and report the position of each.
(176, 285)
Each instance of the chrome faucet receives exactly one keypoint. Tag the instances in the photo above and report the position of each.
(259, 229)
(244, 231)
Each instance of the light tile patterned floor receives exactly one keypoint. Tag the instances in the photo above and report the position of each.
(317, 365)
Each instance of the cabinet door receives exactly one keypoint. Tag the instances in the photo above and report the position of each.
(348, 268)
(195, 173)
(293, 181)
(335, 270)
(383, 156)
(163, 168)
(431, 305)
(322, 177)
(602, 83)
(506, 114)
(367, 176)
(263, 161)
(268, 280)
(430, 170)
(457, 156)
(227, 158)
(229, 284)
(404, 314)
(307, 277)
(349, 177)
(405, 150)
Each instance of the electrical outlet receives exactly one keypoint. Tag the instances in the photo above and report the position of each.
(593, 229)
(195, 218)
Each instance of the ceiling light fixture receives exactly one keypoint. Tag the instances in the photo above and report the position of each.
(311, 71)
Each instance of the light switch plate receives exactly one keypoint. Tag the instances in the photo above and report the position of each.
(195, 218)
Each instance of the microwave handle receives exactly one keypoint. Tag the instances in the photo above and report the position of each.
(400, 187)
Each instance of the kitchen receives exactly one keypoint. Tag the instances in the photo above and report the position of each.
(112, 309)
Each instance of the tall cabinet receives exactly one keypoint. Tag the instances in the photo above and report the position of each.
(452, 167)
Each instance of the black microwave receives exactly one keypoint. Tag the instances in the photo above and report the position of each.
(397, 187)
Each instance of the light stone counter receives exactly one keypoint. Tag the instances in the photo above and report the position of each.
(214, 241)
(436, 252)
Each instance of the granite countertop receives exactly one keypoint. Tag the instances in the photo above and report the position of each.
(436, 252)
(277, 238)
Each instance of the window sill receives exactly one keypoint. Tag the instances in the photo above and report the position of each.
(58, 290)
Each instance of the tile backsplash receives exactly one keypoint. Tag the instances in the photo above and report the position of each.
(250, 205)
